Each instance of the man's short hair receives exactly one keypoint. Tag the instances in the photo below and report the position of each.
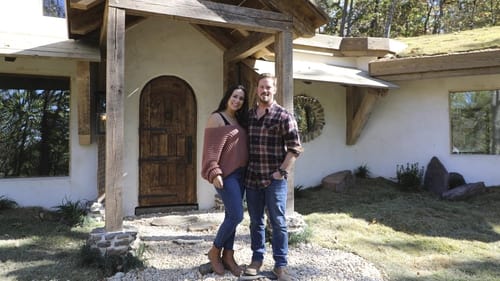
(266, 75)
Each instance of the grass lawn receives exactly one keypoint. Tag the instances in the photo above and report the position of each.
(32, 248)
(408, 235)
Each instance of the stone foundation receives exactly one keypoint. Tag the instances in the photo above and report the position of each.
(112, 243)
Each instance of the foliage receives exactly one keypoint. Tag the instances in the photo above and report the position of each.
(303, 236)
(34, 133)
(298, 191)
(7, 203)
(408, 235)
(362, 172)
(409, 176)
(110, 264)
(473, 128)
(391, 18)
(72, 213)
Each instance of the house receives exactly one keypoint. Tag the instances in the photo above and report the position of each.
(160, 67)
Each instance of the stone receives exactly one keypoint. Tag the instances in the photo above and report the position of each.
(464, 191)
(455, 179)
(436, 177)
(339, 181)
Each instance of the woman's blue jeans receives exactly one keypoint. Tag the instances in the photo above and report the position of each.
(232, 197)
(273, 198)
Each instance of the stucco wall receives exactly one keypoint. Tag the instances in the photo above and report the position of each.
(48, 192)
(159, 47)
(409, 125)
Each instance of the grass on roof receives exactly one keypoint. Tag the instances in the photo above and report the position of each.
(463, 41)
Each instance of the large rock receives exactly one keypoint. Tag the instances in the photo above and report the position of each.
(455, 179)
(436, 177)
(338, 181)
(464, 191)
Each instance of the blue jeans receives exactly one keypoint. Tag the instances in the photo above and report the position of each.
(232, 197)
(273, 198)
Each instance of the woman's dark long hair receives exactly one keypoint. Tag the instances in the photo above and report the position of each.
(242, 113)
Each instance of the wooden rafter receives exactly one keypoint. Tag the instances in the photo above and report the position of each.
(248, 46)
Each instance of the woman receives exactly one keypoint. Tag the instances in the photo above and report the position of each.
(225, 155)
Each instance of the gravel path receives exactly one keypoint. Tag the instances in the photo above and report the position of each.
(176, 244)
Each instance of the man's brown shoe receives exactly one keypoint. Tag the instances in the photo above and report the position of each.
(253, 268)
(282, 274)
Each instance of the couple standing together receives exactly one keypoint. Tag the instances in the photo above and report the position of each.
(250, 152)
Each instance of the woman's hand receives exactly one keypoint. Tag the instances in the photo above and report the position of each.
(218, 183)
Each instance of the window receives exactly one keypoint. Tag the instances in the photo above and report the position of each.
(34, 126)
(475, 122)
(54, 8)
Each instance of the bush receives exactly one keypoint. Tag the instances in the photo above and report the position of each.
(300, 237)
(71, 213)
(6, 203)
(362, 172)
(298, 191)
(410, 177)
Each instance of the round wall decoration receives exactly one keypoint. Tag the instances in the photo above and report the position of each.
(309, 115)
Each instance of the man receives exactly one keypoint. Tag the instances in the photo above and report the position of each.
(274, 144)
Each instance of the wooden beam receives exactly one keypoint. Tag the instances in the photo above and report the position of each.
(84, 102)
(208, 13)
(451, 62)
(84, 22)
(115, 67)
(441, 74)
(359, 105)
(303, 26)
(84, 4)
(284, 83)
(248, 46)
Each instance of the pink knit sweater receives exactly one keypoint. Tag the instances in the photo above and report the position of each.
(225, 149)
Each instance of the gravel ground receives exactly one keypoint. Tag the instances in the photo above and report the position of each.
(177, 244)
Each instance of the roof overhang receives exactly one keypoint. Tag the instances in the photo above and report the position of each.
(482, 62)
(12, 44)
(313, 71)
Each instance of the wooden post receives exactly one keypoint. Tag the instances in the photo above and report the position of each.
(114, 118)
(84, 102)
(284, 75)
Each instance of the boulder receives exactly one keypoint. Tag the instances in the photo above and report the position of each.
(338, 181)
(455, 179)
(436, 177)
(464, 191)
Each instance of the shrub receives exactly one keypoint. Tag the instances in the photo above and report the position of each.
(300, 237)
(362, 172)
(298, 191)
(409, 177)
(6, 203)
(71, 213)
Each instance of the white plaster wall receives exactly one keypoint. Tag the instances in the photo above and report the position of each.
(48, 192)
(409, 125)
(159, 47)
(26, 17)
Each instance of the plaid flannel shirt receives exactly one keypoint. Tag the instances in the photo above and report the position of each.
(270, 138)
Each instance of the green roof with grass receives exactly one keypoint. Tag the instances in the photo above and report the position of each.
(464, 41)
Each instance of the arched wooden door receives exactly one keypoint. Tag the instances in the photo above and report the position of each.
(167, 134)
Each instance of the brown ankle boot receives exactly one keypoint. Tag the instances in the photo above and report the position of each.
(215, 260)
(230, 263)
